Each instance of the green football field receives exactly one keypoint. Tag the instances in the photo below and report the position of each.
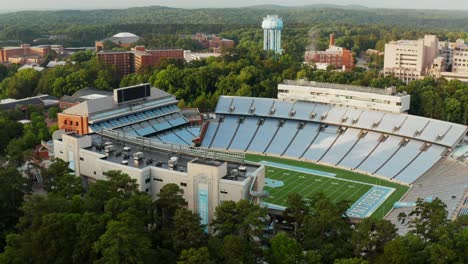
(307, 184)
(337, 188)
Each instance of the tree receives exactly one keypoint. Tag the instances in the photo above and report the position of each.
(188, 232)
(430, 219)
(327, 229)
(124, 242)
(242, 219)
(52, 112)
(285, 250)
(170, 198)
(13, 188)
(295, 212)
(58, 179)
(195, 256)
(406, 249)
(370, 237)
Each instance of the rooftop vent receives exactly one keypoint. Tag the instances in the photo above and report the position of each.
(396, 128)
(418, 132)
(109, 148)
(439, 137)
(252, 110)
(242, 168)
(323, 116)
(173, 162)
(138, 155)
(125, 162)
(292, 113)
(272, 111)
(232, 108)
(344, 119)
(355, 120)
(375, 124)
(127, 149)
(313, 115)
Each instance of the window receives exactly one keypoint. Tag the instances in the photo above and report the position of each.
(223, 192)
(94, 172)
(156, 179)
(148, 180)
(76, 123)
(183, 184)
(65, 122)
(81, 158)
(146, 190)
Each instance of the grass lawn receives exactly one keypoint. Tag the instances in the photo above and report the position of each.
(304, 184)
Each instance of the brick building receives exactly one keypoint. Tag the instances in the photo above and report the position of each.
(128, 62)
(24, 54)
(339, 57)
(212, 41)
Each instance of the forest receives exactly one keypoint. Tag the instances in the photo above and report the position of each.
(113, 222)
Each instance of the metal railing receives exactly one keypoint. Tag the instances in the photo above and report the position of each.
(175, 148)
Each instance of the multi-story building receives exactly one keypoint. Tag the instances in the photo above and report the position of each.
(24, 54)
(206, 182)
(338, 57)
(410, 60)
(212, 41)
(272, 26)
(131, 61)
(349, 95)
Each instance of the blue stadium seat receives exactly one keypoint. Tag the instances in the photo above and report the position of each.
(244, 134)
(283, 137)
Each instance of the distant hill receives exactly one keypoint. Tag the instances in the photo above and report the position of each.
(309, 15)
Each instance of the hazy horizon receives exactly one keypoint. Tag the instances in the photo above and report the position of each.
(112, 4)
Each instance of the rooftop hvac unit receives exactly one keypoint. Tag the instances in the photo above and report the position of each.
(127, 149)
(126, 156)
(313, 115)
(292, 113)
(355, 120)
(232, 108)
(272, 111)
(344, 119)
(252, 110)
(173, 162)
(138, 155)
(242, 168)
(107, 143)
(125, 162)
(109, 148)
(234, 172)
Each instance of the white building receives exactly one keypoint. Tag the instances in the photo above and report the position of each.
(206, 182)
(345, 95)
(272, 26)
(410, 60)
(191, 56)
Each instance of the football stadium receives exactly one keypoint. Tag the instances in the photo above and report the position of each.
(354, 144)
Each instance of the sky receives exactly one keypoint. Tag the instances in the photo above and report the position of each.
(91, 4)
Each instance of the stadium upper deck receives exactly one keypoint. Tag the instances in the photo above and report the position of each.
(390, 145)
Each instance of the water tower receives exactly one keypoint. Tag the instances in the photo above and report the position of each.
(272, 26)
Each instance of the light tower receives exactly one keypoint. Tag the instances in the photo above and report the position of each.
(272, 26)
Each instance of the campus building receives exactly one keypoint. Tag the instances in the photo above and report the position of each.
(213, 41)
(140, 131)
(132, 61)
(350, 95)
(410, 60)
(24, 54)
(272, 26)
(123, 39)
(340, 58)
